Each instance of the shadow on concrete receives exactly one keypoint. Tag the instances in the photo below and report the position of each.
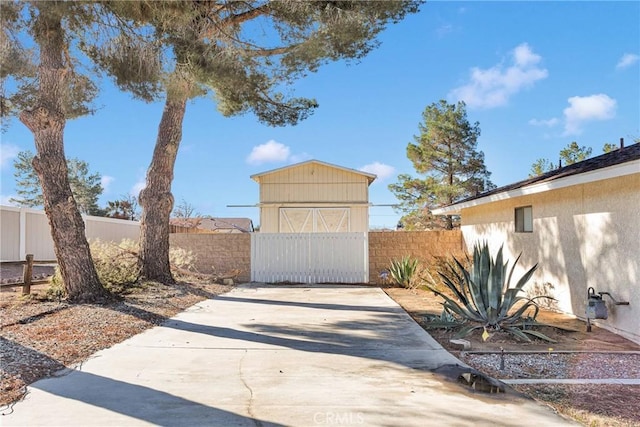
(142, 403)
(312, 305)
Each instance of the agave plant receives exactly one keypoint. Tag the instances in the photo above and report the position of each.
(484, 298)
(403, 270)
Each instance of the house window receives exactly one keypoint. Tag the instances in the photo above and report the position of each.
(524, 219)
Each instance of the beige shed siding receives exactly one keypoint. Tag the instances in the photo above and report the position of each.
(313, 186)
(313, 183)
(270, 216)
(584, 235)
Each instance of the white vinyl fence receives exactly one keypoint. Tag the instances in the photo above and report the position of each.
(310, 257)
(26, 231)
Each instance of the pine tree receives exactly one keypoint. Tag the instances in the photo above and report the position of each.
(569, 155)
(573, 153)
(540, 167)
(445, 152)
(85, 187)
(48, 90)
(242, 53)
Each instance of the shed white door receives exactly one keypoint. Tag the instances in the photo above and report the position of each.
(314, 220)
(310, 257)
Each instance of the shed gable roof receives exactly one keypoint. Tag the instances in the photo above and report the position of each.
(370, 177)
(619, 162)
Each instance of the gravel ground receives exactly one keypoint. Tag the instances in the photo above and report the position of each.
(557, 365)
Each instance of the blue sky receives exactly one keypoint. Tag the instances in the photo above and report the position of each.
(535, 75)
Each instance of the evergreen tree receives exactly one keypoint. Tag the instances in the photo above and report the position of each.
(85, 187)
(445, 152)
(573, 153)
(569, 155)
(47, 89)
(540, 167)
(244, 54)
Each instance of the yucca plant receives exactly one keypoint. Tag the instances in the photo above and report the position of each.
(483, 296)
(403, 270)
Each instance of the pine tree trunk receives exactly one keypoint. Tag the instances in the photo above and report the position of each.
(156, 199)
(47, 122)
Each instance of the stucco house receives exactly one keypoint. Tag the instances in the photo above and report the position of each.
(314, 197)
(581, 223)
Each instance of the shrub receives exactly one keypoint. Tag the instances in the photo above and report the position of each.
(483, 296)
(117, 266)
(55, 290)
(403, 271)
(180, 258)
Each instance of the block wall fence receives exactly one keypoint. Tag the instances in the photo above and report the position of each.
(218, 253)
(222, 253)
(427, 246)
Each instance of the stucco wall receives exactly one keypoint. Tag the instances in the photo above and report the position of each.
(584, 235)
(427, 246)
(218, 253)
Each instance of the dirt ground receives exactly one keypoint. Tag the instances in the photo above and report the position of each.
(575, 354)
(570, 333)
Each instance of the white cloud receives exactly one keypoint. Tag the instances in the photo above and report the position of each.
(7, 153)
(587, 108)
(105, 181)
(380, 169)
(627, 60)
(492, 87)
(138, 187)
(541, 122)
(271, 151)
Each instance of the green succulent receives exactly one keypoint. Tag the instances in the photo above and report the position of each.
(403, 270)
(484, 298)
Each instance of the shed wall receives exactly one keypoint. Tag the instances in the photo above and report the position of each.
(312, 183)
(270, 216)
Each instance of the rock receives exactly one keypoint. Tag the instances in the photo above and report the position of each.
(227, 282)
(464, 344)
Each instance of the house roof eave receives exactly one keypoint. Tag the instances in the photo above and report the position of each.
(614, 171)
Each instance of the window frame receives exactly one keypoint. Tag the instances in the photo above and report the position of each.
(523, 223)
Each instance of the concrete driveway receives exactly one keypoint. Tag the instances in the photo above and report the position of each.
(274, 355)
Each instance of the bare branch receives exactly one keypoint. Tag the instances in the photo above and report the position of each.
(245, 16)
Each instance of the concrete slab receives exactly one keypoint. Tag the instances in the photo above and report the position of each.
(274, 355)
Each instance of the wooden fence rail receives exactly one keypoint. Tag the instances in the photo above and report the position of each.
(27, 274)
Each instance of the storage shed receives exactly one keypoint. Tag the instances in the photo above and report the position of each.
(314, 197)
